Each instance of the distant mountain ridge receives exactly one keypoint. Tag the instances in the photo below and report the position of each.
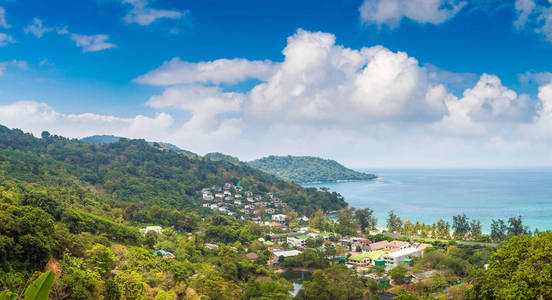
(299, 169)
(308, 169)
(108, 139)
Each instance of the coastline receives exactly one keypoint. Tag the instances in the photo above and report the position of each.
(338, 181)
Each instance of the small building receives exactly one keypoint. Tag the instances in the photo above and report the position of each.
(289, 253)
(399, 244)
(165, 254)
(381, 245)
(278, 218)
(365, 258)
(156, 229)
(398, 258)
(211, 246)
(298, 241)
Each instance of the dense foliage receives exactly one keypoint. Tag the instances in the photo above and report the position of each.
(304, 169)
(217, 156)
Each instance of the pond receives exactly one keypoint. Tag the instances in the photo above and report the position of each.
(296, 278)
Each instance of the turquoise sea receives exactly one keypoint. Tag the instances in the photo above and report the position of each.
(426, 195)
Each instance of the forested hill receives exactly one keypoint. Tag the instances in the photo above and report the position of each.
(108, 139)
(132, 175)
(217, 156)
(305, 169)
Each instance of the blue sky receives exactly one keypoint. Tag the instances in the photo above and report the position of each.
(92, 66)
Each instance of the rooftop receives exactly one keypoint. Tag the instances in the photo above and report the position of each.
(403, 252)
(371, 255)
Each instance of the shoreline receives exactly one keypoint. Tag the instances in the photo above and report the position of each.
(339, 181)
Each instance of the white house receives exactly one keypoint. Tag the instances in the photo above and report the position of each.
(279, 218)
(156, 229)
(394, 259)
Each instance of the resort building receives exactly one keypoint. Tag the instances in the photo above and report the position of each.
(398, 258)
(365, 258)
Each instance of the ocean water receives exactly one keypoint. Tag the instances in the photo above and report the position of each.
(427, 195)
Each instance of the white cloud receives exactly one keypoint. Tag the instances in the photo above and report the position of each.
(5, 39)
(319, 80)
(21, 64)
(62, 30)
(35, 117)
(234, 70)
(391, 12)
(3, 21)
(46, 62)
(92, 43)
(368, 107)
(37, 28)
(534, 15)
(142, 14)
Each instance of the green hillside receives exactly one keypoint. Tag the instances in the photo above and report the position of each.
(133, 173)
(305, 169)
(217, 156)
(108, 139)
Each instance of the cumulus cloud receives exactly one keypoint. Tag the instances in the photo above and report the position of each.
(5, 39)
(365, 107)
(37, 28)
(143, 15)
(320, 80)
(391, 12)
(92, 43)
(217, 71)
(3, 21)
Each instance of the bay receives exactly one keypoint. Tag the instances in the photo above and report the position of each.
(427, 195)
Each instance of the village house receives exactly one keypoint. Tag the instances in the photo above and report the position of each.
(401, 245)
(381, 245)
(298, 241)
(278, 218)
(365, 258)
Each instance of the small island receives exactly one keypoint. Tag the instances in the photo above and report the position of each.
(308, 169)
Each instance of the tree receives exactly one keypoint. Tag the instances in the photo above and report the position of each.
(317, 220)
(336, 282)
(520, 269)
(291, 219)
(77, 281)
(366, 219)
(102, 259)
(131, 285)
(347, 224)
(475, 229)
(111, 291)
(515, 227)
(398, 274)
(461, 226)
(442, 229)
(394, 223)
(498, 230)
(45, 134)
